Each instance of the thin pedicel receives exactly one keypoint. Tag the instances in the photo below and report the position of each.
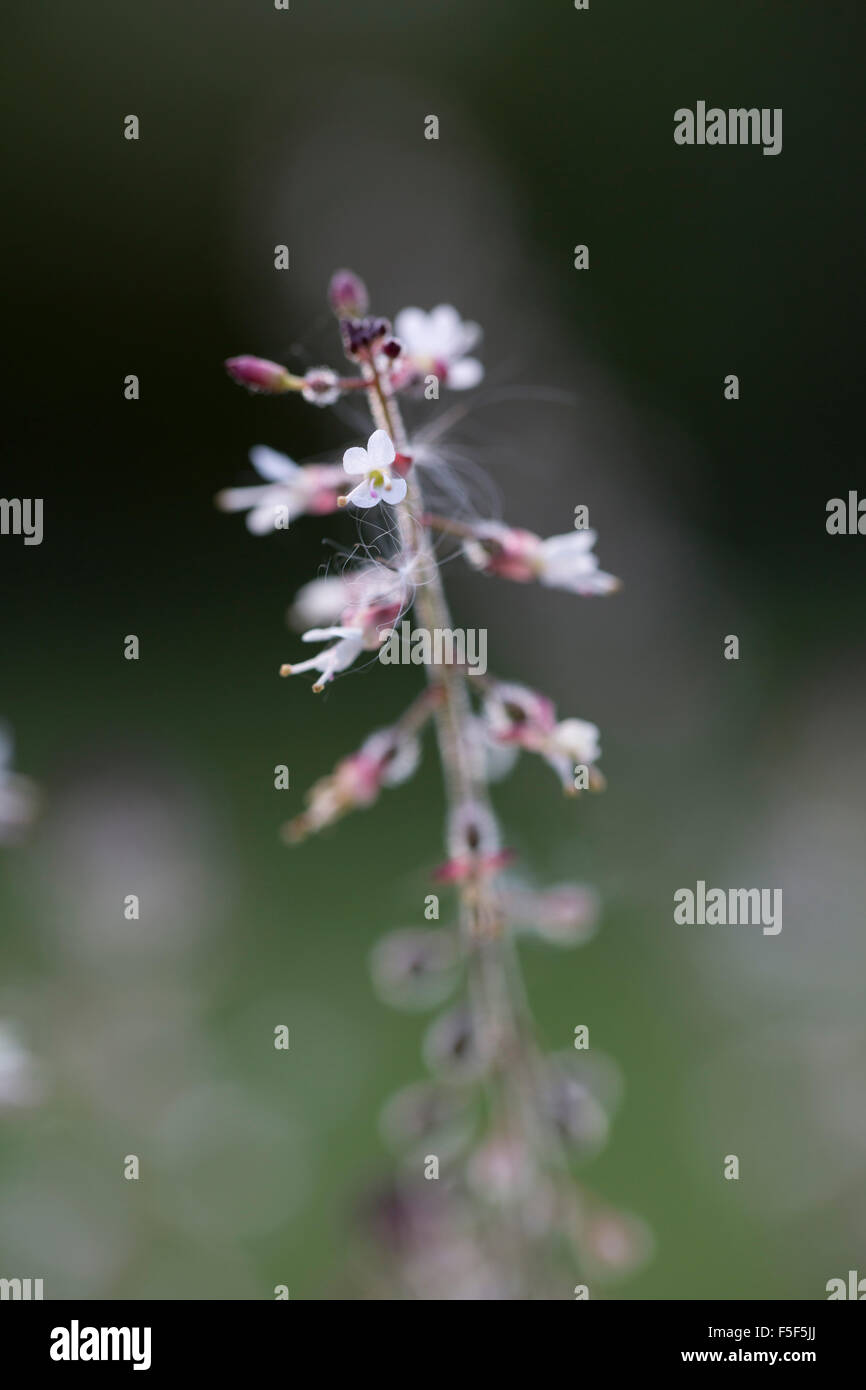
(506, 1219)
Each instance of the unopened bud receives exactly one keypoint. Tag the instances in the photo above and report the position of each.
(347, 295)
(363, 334)
(258, 374)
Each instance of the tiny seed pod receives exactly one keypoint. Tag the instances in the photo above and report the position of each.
(452, 1047)
(415, 969)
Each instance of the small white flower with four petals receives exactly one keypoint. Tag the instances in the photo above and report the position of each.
(439, 342)
(380, 483)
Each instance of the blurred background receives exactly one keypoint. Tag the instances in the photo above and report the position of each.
(604, 388)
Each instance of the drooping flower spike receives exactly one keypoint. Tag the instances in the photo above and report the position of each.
(520, 1113)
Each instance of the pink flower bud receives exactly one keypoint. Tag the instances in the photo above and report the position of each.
(516, 714)
(258, 374)
(504, 551)
(347, 295)
(386, 758)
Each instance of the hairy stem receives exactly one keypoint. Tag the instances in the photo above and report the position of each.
(464, 781)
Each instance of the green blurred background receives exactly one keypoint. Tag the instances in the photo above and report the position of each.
(261, 127)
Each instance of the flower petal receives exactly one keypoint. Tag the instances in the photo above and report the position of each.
(568, 545)
(380, 450)
(277, 468)
(355, 460)
(322, 634)
(344, 653)
(412, 327)
(237, 499)
(262, 519)
(445, 328)
(395, 490)
(363, 495)
(466, 373)
(320, 600)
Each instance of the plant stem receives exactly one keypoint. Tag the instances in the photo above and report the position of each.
(464, 781)
(498, 1001)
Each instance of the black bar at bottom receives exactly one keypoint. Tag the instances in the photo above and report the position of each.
(163, 1338)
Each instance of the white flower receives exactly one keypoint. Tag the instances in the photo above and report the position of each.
(573, 742)
(358, 607)
(289, 491)
(359, 597)
(567, 562)
(330, 660)
(380, 484)
(437, 343)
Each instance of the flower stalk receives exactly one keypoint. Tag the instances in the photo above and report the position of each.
(530, 1110)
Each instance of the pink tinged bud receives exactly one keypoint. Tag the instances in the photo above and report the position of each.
(504, 551)
(347, 295)
(359, 779)
(395, 753)
(385, 759)
(258, 374)
(515, 714)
